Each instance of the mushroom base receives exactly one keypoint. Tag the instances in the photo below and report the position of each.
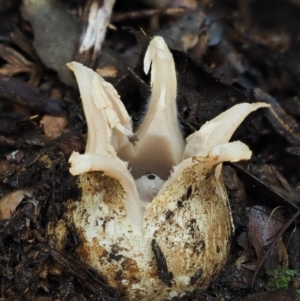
(186, 240)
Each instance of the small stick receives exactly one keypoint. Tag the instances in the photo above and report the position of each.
(283, 123)
(174, 11)
(29, 96)
(97, 14)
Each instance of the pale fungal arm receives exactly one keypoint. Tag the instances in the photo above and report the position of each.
(230, 152)
(160, 144)
(227, 152)
(219, 130)
(98, 133)
(115, 168)
(108, 101)
(106, 116)
(210, 145)
(103, 114)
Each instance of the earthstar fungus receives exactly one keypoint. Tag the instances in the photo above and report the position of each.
(159, 194)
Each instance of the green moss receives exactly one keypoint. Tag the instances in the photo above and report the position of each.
(280, 277)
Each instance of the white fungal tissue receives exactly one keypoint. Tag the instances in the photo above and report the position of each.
(154, 218)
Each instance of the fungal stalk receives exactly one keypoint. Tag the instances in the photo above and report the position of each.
(160, 198)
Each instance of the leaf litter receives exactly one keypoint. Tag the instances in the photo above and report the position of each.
(225, 52)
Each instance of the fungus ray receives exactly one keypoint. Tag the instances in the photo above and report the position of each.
(102, 116)
(219, 130)
(161, 143)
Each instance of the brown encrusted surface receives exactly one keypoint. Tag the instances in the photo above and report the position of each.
(197, 228)
(190, 219)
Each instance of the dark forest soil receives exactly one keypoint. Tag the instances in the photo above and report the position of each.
(226, 52)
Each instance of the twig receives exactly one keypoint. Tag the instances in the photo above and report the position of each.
(283, 123)
(120, 17)
(97, 14)
(288, 196)
(27, 95)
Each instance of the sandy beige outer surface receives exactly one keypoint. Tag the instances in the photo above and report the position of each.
(190, 221)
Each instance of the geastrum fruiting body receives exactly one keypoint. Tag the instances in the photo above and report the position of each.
(154, 217)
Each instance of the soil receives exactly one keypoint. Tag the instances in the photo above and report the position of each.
(226, 52)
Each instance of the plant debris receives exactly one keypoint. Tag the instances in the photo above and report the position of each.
(225, 53)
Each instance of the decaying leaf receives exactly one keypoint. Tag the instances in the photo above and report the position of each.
(10, 201)
(53, 126)
(17, 63)
(263, 226)
(56, 34)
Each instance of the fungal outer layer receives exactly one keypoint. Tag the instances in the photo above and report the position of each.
(180, 239)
